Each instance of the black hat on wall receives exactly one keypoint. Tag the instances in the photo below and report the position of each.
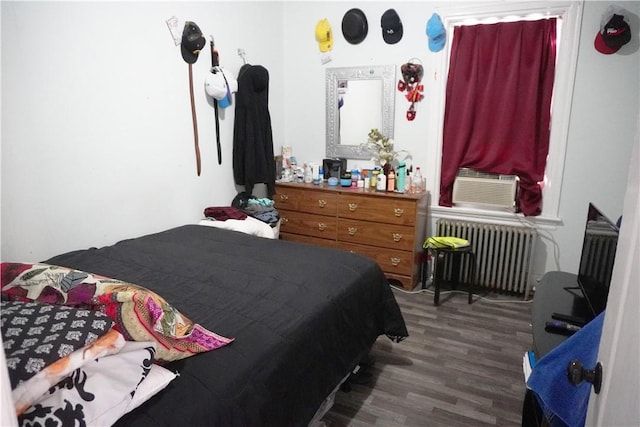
(391, 27)
(354, 26)
(192, 42)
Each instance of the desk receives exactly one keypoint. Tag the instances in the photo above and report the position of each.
(557, 292)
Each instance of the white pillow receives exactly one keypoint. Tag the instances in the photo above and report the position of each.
(249, 225)
(99, 391)
(157, 379)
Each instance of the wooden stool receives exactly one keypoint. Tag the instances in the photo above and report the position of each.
(455, 256)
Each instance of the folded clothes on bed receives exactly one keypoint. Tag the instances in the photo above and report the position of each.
(264, 213)
(223, 213)
(259, 208)
(254, 209)
(263, 201)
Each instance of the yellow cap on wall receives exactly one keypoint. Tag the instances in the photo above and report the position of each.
(324, 35)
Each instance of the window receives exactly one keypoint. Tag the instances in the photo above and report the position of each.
(498, 106)
(568, 15)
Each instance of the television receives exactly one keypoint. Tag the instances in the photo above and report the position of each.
(597, 259)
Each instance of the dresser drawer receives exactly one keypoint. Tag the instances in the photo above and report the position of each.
(377, 209)
(304, 200)
(309, 240)
(307, 224)
(391, 236)
(389, 260)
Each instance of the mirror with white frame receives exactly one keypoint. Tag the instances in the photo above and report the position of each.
(358, 99)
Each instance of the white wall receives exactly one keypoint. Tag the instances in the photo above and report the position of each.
(97, 142)
(604, 124)
(97, 138)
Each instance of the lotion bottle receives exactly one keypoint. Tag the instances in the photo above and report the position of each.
(374, 179)
(418, 182)
(381, 182)
(308, 174)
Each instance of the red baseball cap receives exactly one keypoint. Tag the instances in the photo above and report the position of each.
(614, 32)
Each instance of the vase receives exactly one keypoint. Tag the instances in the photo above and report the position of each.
(386, 168)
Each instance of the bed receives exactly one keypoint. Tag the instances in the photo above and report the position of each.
(298, 318)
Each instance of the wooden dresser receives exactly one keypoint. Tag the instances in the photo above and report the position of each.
(388, 227)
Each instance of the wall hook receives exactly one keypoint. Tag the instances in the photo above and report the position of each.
(242, 54)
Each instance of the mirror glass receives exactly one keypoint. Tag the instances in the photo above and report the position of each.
(358, 100)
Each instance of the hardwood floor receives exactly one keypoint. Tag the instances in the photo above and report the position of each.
(460, 366)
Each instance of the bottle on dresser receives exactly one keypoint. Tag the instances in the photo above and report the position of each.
(367, 178)
(318, 175)
(355, 176)
(418, 180)
(391, 180)
(308, 173)
(375, 173)
(381, 182)
(401, 177)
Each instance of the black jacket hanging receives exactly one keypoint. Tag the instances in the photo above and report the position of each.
(253, 160)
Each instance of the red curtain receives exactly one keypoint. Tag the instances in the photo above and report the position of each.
(498, 105)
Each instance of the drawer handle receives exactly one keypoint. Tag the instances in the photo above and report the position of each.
(284, 220)
(398, 211)
(322, 226)
(396, 237)
(395, 261)
(353, 207)
(352, 231)
(284, 197)
(322, 203)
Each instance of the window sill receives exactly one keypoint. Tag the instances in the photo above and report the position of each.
(493, 217)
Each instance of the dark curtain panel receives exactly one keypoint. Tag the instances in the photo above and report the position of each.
(498, 105)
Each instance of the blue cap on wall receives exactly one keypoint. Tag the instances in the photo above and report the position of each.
(435, 33)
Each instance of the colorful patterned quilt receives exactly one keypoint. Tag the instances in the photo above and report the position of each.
(139, 314)
(78, 346)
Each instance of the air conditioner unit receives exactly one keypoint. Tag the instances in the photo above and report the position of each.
(490, 191)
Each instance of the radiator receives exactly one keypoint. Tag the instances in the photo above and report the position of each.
(504, 254)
